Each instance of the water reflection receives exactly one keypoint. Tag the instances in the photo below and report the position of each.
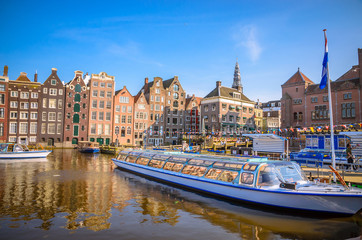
(73, 195)
(165, 202)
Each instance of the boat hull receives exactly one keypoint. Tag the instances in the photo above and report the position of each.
(293, 200)
(89, 150)
(24, 155)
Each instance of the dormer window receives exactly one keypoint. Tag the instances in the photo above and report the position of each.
(236, 95)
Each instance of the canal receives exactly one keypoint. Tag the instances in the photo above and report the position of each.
(84, 196)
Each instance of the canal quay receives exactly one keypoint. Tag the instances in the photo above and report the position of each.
(84, 196)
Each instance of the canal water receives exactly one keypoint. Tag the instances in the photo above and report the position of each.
(84, 196)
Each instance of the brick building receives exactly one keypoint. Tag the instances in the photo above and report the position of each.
(193, 119)
(4, 83)
(227, 110)
(303, 104)
(101, 89)
(23, 108)
(141, 119)
(76, 110)
(123, 129)
(272, 114)
(51, 111)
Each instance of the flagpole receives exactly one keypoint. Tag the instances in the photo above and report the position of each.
(330, 115)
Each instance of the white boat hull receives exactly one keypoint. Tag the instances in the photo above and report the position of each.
(24, 155)
(335, 203)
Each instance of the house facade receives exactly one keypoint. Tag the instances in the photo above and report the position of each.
(123, 120)
(101, 87)
(4, 84)
(23, 108)
(141, 119)
(51, 111)
(76, 110)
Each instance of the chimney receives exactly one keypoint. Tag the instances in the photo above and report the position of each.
(23, 74)
(146, 80)
(54, 70)
(6, 69)
(36, 76)
(218, 83)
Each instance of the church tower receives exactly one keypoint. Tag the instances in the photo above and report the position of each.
(237, 79)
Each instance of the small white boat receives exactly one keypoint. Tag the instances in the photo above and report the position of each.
(280, 184)
(88, 147)
(14, 151)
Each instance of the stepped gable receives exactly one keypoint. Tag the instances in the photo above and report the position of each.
(298, 77)
(353, 73)
(335, 86)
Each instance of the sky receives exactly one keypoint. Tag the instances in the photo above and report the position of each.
(198, 41)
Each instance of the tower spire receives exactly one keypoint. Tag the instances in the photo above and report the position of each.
(237, 79)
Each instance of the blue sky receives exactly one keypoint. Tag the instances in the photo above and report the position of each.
(199, 41)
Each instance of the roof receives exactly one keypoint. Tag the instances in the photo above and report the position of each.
(298, 77)
(353, 73)
(226, 92)
(167, 83)
(335, 86)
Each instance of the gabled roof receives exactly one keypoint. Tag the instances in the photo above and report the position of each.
(353, 73)
(167, 83)
(23, 78)
(298, 77)
(189, 99)
(226, 92)
(335, 86)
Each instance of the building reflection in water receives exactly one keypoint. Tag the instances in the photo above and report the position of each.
(74, 191)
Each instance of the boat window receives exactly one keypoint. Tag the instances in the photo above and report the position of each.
(143, 160)
(290, 173)
(179, 159)
(267, 176)
(18, 148)
(161, 157)
(121, 157)
(227, 176)
(213, 173)
(234, 166)
(194, 170)
(156, 163)
(131, 159)
(250, 167)
(247, 178)
(175, 167)
(3, 147)
(200, 162)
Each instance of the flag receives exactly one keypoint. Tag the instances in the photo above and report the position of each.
(325, 62)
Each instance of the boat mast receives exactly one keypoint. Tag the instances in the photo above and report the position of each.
(330, 115)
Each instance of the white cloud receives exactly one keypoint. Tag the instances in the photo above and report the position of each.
(246, 36)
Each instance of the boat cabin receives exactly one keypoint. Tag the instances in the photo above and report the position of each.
(87, 144)
(252, 172)
(13, 147)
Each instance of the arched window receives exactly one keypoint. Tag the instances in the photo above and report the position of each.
(76, 118)
(76, 107)
(77, 97)
(123, 132)
(175, 96)
(175, 104)
(128, 130)
(175, 87)
(78, 88)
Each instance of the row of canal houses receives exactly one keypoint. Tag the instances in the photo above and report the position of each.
(88, 108)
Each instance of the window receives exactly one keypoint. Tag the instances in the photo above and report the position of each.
(175, 96)
(94, 103)
(76, 118)
(101, 116)
(108, 116)
(44, 103)
(45, 90)
(101, 104)
(124, 109)
(14, 94)
(100, 129)
(78, 88)
(33, 128)
(24, 105)
(109, 94)
(129, 119)
(348, 110)
(77, 97)
(124, 99)
(23, 128)
(102, 84)
(117, 118)
(53, 82)
(101, 94)
(34, 115)
(175, 88)
(59, 128)
(34, 95)
(60, 103)
(76, 107)
(13, 104)
(60, 117)
(24, 115)
(347, 96)
(94, 115)
(53, 91)
(325, 98)
(24, 95)
(297, 101)
(314, 99)
(93, 128)
(51, 116)
(95, 93)
(320, 112)
(44, 116)
(109, 85)
(129, 131)
(60, 91)
(13, 128)
(2, 87)
(95, 84)
(52, 103)
(51, 128)
(123, 119)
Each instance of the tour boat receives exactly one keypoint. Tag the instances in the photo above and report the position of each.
(88, 147)
(280, 184)
(14, 151)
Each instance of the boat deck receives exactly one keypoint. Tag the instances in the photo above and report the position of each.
(348, 176)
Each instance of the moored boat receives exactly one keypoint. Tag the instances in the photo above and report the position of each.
(280, 184)
(14, 151)
(88, 147)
